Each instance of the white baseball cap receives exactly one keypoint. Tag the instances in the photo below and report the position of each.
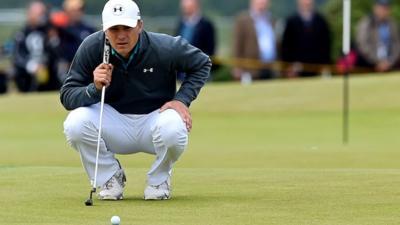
(120, 12)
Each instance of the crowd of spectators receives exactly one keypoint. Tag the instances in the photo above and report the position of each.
(45, 46)
(303, 49)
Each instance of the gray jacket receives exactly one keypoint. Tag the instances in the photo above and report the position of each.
(146, 84)
(367, 39)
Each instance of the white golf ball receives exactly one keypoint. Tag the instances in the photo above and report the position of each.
(115, 220)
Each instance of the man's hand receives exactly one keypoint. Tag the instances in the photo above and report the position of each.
(102, 75)
(183, 111)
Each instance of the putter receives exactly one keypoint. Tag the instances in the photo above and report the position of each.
(106, 60)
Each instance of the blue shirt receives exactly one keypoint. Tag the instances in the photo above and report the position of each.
(266, 37)
(384, 33)
(187, 32)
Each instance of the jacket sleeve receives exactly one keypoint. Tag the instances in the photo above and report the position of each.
(78, 89)
(364, 39)
(195, 64)
(395, 47)
(20, 58)
(326, 40)
(209, 35)
(239, 38)
(287, 42)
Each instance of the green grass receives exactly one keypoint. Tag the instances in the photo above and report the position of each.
(269, 153)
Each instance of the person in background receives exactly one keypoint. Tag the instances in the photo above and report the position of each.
(377, 39)
(69, 31)
(255, 40)
(306, 40)
(4, 71)
(196, 28)
(3, 82)
(76, 26)
(32, 56)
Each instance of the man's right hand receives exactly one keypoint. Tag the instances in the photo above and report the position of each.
(102, 75)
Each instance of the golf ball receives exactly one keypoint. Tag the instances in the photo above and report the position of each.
(115, 220)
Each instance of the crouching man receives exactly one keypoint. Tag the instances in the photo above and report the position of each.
(143, 110)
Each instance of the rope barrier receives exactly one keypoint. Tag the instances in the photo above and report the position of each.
(281, 66)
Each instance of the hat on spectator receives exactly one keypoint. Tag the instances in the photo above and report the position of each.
(383, 2)
(120, 12)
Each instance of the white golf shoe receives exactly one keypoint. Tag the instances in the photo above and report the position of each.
(113, 189)
(159, 192)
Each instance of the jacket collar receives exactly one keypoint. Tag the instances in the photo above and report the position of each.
(144, 43)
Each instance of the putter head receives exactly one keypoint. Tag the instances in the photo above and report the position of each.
(89, 202)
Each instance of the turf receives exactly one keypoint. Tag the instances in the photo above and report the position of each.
(269, 153)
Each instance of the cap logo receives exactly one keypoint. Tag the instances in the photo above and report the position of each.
(118, 10)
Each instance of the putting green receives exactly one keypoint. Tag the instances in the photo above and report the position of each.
(269, 153)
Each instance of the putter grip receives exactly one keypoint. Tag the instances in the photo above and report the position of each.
(107, 51)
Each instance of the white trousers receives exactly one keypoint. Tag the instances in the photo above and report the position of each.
(162, 134)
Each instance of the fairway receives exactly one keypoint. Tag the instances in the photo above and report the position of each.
(269, 153)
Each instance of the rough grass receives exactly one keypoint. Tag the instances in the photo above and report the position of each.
(269, 153)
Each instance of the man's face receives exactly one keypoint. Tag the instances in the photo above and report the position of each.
(123, 38)
(75, 14)
(36, 14)
(381, 12)
(259, 6)
(189, 7)
(305, 5)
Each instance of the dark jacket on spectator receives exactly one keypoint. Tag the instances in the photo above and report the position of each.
(307, 42)
(203, 37)
(76, 33)
(32, 48)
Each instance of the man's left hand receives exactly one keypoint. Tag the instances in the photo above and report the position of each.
(182, 110)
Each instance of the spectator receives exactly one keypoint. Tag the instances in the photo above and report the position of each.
(3, 82)
(306, 39)
(195, 28)
(32, 57)
(70, 30)
(3, 72)
(377, 39)
(76, 27)
(255, 39)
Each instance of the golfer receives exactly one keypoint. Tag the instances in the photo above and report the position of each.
(143, 111)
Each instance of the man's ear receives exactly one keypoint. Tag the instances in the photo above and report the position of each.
(140, 26)
(106, 34)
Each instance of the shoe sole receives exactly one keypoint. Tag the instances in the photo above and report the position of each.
(111, 198)
(157, 198)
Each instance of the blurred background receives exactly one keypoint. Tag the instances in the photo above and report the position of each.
(296, 46)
